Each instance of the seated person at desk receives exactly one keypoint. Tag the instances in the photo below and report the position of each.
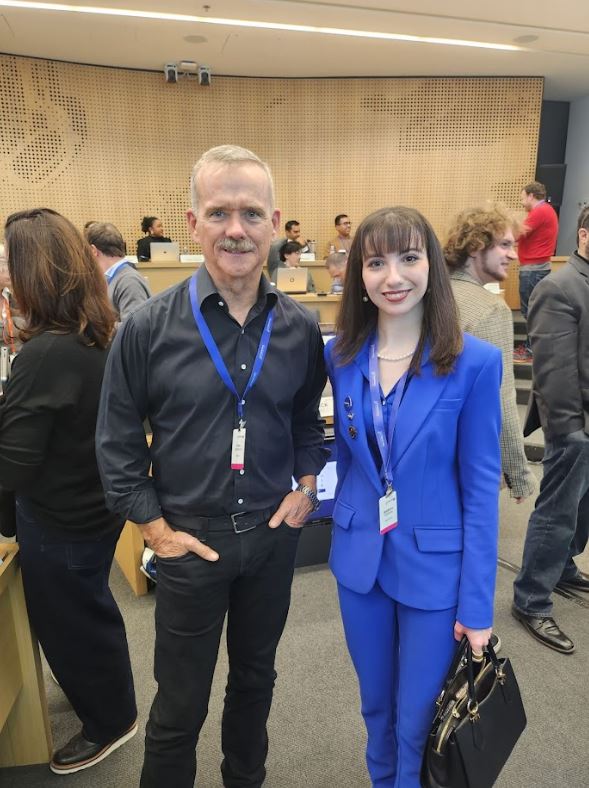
(154, 230)
(290, 257)
(343, 239)
(292, 232)
(336, 265)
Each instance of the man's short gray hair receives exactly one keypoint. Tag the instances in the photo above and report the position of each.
(227, 155)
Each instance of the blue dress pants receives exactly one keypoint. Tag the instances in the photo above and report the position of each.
(401, 656)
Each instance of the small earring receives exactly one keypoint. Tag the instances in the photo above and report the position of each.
(365, 298)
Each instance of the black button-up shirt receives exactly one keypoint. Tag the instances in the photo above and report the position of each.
(160, 369)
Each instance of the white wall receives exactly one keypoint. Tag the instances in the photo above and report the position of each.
(576, 191)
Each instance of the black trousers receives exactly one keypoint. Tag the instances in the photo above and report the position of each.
(78, 624)
(250, 583)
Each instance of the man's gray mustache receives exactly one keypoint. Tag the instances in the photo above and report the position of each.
(229, 245)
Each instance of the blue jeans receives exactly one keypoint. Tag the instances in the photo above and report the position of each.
(559, 525)
(529, 276)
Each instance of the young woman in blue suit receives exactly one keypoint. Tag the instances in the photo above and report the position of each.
(417, 420)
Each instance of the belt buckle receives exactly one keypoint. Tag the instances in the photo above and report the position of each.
(240, 530)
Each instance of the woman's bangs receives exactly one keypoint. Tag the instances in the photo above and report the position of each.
(391, 234)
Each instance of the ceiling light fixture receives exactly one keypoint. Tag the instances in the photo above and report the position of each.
(246, 23)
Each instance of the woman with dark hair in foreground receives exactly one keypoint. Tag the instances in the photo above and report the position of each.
(67, 536)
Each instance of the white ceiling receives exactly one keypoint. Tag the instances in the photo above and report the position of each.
(560, 53)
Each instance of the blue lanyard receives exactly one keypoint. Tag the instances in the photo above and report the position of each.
(385, 443)
(216, 357)
(115, 270)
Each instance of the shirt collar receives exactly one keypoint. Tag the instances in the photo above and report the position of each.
(207, 288)
(109, 271)
(463, 275)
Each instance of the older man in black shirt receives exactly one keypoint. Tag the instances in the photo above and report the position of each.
(216, 358)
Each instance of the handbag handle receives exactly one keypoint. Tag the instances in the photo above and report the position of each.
(472, 704)
(450, 676)
(463, 650)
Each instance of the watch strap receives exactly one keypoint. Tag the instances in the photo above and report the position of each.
(311, 495)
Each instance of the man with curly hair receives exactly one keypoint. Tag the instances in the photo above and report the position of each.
(478, 251)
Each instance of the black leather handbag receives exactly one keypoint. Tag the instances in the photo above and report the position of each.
(480, 716)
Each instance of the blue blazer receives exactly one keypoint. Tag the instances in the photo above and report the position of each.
(447, 467)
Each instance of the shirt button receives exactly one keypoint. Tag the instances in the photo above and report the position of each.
(241, 472)
(221, 303)
(240, 500)
(244, 366)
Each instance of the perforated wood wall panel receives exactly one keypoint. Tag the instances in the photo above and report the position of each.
(108, 144)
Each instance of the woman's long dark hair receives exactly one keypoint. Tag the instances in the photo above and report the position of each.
(394, 230)
(56, 281)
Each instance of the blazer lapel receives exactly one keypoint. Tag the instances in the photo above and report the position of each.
(356, 394)
(422, 393)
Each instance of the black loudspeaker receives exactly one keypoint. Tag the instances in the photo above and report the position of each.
(204, 76)
(552, 176)
(171, 73)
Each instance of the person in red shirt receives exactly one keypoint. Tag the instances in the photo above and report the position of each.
(536, 244)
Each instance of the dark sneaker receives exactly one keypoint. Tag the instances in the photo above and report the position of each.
(79, 753)
(496, 643)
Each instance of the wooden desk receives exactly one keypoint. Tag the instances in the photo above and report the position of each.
(160, 276)
(128, 556)
(327, 306)
(25, 735)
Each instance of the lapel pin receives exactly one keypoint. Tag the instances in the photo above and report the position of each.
(353, 432)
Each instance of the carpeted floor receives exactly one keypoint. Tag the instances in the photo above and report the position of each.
(316, 733)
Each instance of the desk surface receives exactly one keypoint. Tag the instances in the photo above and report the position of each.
(308, 298)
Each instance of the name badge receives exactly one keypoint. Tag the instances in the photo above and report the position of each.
(387, 509)
(238, 450)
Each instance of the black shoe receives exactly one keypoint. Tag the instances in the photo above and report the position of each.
(545, 630)
(578, 583)
(80, 754)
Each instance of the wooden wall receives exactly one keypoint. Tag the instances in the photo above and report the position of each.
(111, 144)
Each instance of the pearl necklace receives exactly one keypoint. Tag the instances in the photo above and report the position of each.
(384, 357)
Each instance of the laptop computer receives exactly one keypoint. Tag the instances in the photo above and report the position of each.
(164, 253)
(292, 280)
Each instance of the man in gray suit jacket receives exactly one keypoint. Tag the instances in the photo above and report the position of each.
(127, 289)
(558, 325)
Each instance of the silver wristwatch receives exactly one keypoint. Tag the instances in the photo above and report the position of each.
(311, 495)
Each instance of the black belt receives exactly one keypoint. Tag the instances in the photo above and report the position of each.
(240, 522)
